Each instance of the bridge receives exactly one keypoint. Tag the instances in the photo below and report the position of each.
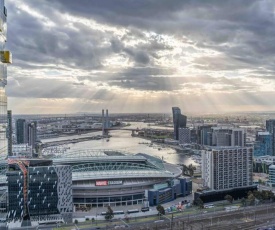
(105, 131)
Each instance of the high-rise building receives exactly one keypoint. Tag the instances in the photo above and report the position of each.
(263, 144)
(226, 168)
(9, 133)
(21, 131)
(205, 135)
(270, 127)
(32, 134)
(221, 136)
(5, 59)
(39, 191)
(184, 136)
(228, 136)
(272, 175)
(179, 121)
(26, 132)
(107, 119)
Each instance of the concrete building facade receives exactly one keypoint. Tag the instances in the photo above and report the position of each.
(222, 136)
(272, 175)
(227, 168)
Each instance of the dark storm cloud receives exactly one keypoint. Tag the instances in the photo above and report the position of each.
(138, 56)
(242, 31)
(212, 22)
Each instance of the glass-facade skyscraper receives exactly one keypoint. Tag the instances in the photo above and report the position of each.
(5, 58)
(270, 127)
(263, 144)
(39, 191)
(179, 121)
(21, 131)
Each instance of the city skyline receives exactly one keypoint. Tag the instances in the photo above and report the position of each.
(145, 56)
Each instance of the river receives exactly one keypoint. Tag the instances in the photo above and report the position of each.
(122, 140)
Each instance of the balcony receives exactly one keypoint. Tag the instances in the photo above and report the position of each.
(6, 57)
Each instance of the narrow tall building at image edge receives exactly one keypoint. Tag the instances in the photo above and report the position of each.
(5, 59)
(270, 127)
(9, 133)
(179, 121)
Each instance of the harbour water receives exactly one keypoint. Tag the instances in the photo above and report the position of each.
(122, 140)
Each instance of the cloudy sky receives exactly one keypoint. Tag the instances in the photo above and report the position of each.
(141, 56)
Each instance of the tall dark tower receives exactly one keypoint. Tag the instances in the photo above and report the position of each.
(21, 131)
(6, 58)
(9, 133)
(107, 119)
(179, 121)
(32, 134)
(103, 123)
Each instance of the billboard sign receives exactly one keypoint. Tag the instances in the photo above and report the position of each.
(101, 183)
(106, 182)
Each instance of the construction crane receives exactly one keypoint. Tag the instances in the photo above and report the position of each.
(22, 164)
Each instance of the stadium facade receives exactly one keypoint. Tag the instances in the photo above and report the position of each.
(105, 177)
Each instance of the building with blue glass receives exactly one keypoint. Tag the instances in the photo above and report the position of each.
(270, 127)
(204, 133)
(162, 193)
(263, 144)
(38, 192)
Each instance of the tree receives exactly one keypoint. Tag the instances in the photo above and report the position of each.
(243, 201)
(268, 195)
(198, 202)
(229, 198)
(185, 170)
(160, 209)
(191, 169)
(76, 221)
(188, 170)
(259, 195)
(251, 198)
(109, 214)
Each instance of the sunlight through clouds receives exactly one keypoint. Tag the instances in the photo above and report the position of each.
(73, 57)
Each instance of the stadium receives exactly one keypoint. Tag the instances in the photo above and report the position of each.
(116, 178)
(109, 177)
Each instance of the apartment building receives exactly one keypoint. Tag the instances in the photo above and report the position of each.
(227, 167)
